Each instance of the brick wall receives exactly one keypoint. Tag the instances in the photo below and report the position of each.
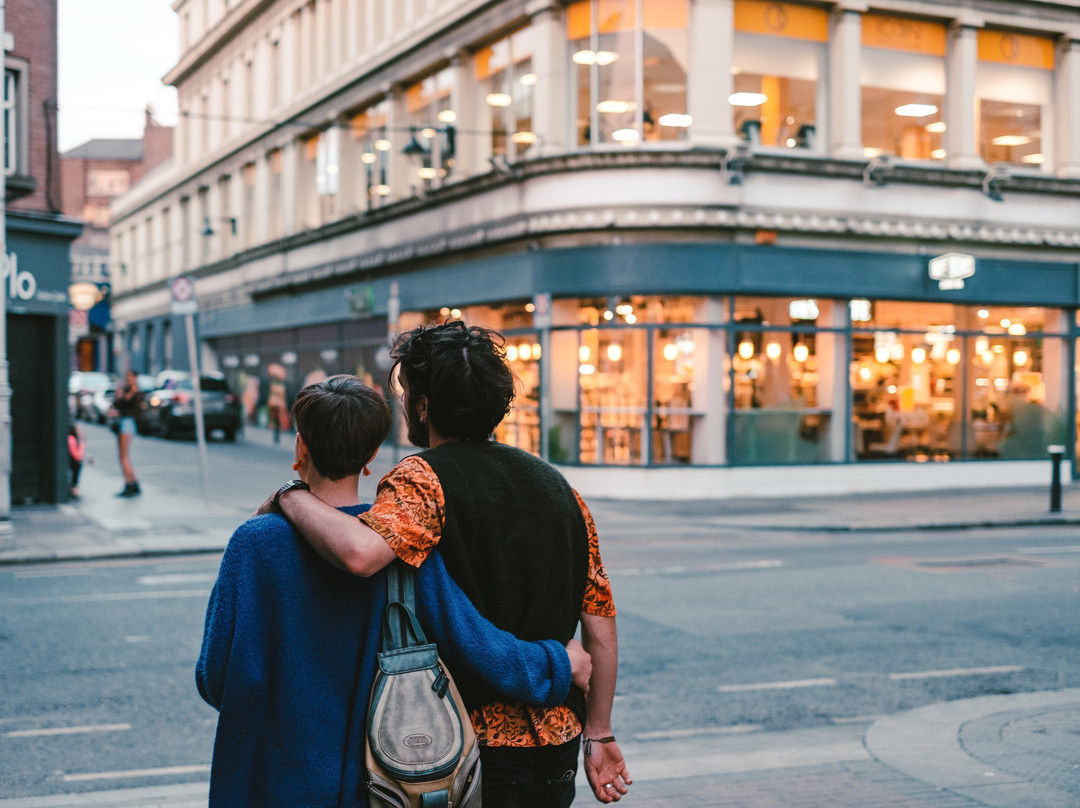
(32, 23)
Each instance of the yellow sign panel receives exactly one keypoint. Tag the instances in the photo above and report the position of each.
(782, 19)
(903, 33)
(1022, 50)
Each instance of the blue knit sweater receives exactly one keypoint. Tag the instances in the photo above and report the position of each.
(289, 652)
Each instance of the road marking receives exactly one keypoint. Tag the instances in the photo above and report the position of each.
(42, 733)
(690, 569)
(51, 573)
(106, 597)
(162, 772)
(792, 685)
(1075, 548)
(957, 672)
(671, 734)
(177, 578)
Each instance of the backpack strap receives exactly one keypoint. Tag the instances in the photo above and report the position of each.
(401, 629)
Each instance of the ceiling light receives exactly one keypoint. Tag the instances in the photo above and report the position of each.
(915, 110)
(938, 154)
(524, 138)
(801, 352)
(606, 57)
(1011, 140)
(772, 350)
(671, 351)
(918, 355)
(528, 80)
(626, 136)
(615, 107)
(614, 352)
(447, 116)
(584, 57)
(382, 144)
(1020, 358)
(679, 119)
(368, 158)
(937, 127)
(499, 99)
(952, 356)
(583, 353)
(427, 173)
(1017, 329)
(747, 99)
(1036, 159)
(746, 349)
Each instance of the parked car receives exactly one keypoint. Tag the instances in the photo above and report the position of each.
(102, 400)
(82, 387)
(169, 409)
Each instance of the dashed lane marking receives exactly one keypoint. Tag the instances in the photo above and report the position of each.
(792, 685)
(133, 773)
(51, 731)
(988, 671)
(693, 569)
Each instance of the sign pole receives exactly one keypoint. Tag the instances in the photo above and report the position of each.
(182, 291)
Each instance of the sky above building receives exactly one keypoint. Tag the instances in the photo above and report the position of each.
(112, 55)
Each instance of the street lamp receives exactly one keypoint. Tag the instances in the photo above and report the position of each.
(208, 230)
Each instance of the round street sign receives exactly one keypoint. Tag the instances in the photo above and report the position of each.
(182, 289)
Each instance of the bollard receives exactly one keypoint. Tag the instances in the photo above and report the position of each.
(1056, 452)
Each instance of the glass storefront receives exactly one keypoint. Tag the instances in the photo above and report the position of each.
(680, 381)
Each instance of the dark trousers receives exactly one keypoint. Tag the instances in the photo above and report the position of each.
(536, 777)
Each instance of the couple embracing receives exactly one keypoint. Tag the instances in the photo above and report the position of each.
(507, 567)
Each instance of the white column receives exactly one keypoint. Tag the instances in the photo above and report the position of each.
(709, 396)
(551, 106)
(709, 82)
(289, 57)
(402, 177)
(961, 64)
(1066, 154)
(260, 211)
(845, 92)
(473, 146)
(291, 154)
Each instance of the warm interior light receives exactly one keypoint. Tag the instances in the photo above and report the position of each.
(626, 136)
(524, 138)
(368, 157)
(584, 57)
(670, 352)
(1017, 329)
(938, 154)
(982, 345)
(525, 352)
(630, 318)
(427, 173)
(614, 352)
(865, 374)
(499, 99)
(746, 349)
(584, 354)
(1020, 357)
(1011, 140)
(447, 116)
(952, 356)
(936, 127)
(918, 355)
(679, 119)
(915, 110)
(987, 357)
(382, 144)
(536, 350)
(530, 307)
(772, 350)
(528, 80)
(427, 132)
(587, 370)
(380, 190)
(1006, 322)
(984, 313)
(881, 355)
(512, 353)
(606, 57)
(747, 99)
(801, 352)
(614, 106)
(609, 314)
(455, 313)
(897, 351)
(1033, 159)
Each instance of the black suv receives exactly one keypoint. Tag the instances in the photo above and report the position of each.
(169, 409)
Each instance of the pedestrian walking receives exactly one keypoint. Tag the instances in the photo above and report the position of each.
(76, 453)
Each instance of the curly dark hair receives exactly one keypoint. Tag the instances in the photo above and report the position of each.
(462, 370)
(343, 422)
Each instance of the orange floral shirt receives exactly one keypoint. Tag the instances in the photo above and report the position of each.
(408, 513)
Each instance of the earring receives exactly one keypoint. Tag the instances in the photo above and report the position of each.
(296, 465)
(366, 472)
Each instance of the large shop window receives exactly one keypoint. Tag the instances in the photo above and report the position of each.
(505, 75)
(369, 131)
(432, 146)
(902, 74)
(780, 51)
(783, 382)
(941, 382)
(1014, 87)
(628, 71)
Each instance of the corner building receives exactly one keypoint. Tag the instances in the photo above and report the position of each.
(738, 247)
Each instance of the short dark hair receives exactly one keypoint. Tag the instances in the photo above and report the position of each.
(343, 422)
(462, 371)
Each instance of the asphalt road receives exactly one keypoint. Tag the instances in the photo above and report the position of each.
(718, 634)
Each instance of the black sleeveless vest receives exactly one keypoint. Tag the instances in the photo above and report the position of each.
(514, 539)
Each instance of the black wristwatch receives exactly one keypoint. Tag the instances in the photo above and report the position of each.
(289, 486)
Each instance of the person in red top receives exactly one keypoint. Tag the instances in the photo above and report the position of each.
(514, 536)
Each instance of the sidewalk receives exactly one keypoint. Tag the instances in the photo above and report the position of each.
(1011, 751)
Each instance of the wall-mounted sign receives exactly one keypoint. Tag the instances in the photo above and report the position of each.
(950, 270)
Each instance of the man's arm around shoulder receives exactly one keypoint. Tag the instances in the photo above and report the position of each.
(342, 540)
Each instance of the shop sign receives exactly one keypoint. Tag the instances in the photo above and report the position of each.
(950, 270)
(21, 285)
(182, 292)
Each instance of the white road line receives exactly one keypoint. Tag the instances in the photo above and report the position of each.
(162, 772)
(672, 734)
(957, 672)
(691, 569)
(797, 683)
(178, 578)
(106, 597)
(1075, 548)
(50, 731)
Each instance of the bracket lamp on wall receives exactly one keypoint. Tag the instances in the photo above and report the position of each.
(208, 229)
